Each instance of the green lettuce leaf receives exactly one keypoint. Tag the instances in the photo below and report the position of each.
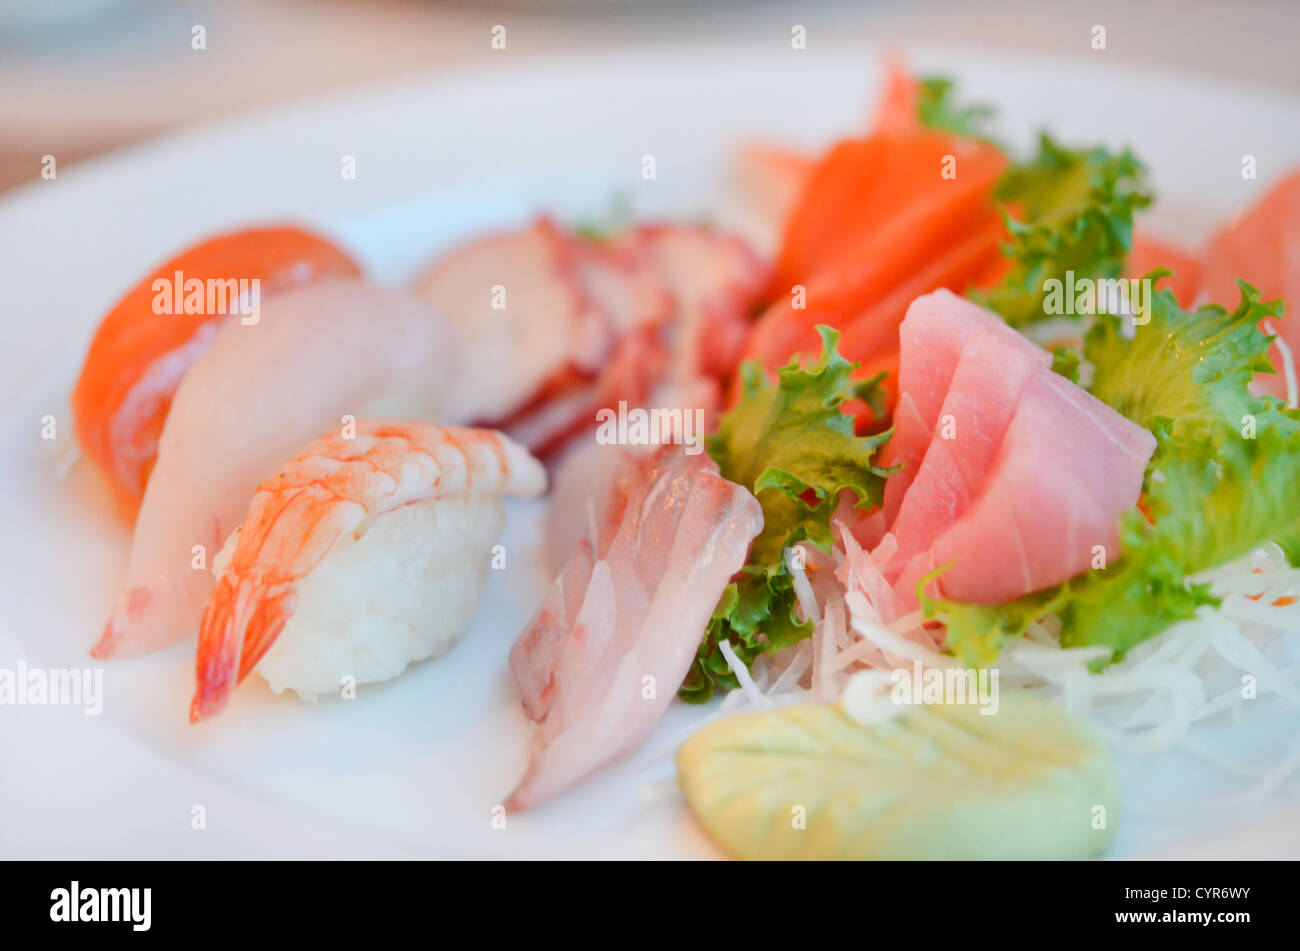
(1076, 215)
(1185, 369)
(791, 443)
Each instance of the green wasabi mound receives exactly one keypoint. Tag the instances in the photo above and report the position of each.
(939, 781)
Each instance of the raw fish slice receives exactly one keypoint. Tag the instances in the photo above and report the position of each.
(931, 338)
(1068, 468)
(685, 531)
(255, 397)
(906, 448)
(991, 372)
(534, 655)
(614, 507)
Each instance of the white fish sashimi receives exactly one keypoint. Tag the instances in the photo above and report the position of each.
(599, 689)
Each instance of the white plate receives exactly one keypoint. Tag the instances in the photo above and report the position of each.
(415, 767)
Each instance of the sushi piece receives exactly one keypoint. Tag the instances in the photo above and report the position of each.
(601, 662)
(138, 356)
(364, 553)
(320, 353)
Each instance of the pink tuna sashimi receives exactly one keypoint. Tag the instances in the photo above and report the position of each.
(684, 531)
(930, 340)
(981, 401)
(1068, 468)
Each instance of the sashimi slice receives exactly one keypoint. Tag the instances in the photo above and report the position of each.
(863, 188)
(536, 652)
(1261, 246)
(683, 533)
(931, 338)
(992, 370)
(920, 239)
(1068, 468)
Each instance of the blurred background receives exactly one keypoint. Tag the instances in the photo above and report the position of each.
(81, 77)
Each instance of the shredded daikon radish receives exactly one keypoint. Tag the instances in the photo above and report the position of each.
(894, 643)
(1191, 672)
(799, 660)
(741, 673)
(803, 590)
(827, 682)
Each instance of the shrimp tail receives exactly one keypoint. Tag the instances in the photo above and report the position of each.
(240, 623)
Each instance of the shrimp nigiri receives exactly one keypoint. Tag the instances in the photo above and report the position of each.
(138, 357)
(362, 554)
(320, 352)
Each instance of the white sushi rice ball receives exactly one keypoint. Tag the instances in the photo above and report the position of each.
(402, 592)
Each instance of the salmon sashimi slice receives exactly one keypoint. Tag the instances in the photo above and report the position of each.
(930, 339)
(139, 356)
(599, 690)
(884, 183)
(1262, 246)
(870, 332)
(992, 370)
(1067, 469)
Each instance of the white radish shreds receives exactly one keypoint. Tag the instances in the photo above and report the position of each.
(741, 672)
(1190, 672)
(796, 558)
(1147, 702)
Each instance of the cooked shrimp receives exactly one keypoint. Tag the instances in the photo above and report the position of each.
(323, 503)
(138, 356)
